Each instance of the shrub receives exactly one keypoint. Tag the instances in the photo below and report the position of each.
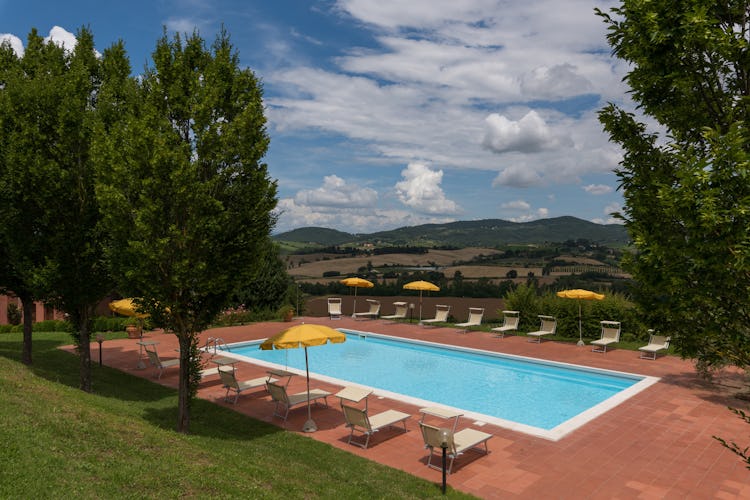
(14, 314)
(109, 324)
(51, 325)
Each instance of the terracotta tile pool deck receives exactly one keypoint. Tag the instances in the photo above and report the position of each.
(657, 444)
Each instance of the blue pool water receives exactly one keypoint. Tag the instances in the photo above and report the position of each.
(530, 392)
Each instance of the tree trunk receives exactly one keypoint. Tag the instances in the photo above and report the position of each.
(28, 322)
(84, 350)
(183, 402)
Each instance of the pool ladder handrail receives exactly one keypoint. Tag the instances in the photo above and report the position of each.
(215, 343)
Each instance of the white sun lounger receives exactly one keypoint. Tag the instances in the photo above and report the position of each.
(358, 421)
(158, 363)
(371, 313)
(401, 309)
(655, 344)
(286, 401)
(334, 307)
(441, 314)
(475, 319)
(510, 323)
(458, 442)
(547, 327)
(230, 382)
(610, 335)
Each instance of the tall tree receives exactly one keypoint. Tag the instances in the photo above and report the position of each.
(687, 202)
(269, 287)
(186, 197)
(49, 213)
(21, 235)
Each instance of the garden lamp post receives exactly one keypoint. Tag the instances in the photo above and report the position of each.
(100, 339)
(445, 435)
(411, 311)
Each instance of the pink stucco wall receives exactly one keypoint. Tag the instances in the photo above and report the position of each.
(41, 312)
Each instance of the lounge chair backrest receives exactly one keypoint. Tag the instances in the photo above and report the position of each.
(228, 379)
(475, 315)
(433, 437)
(441, 313)
(511, 319)
(356, 417)
(549, 324)
(659, 340)
(401, 308)
(277, 392)
(611, 330)
(153, 357)
(374, 306)
(334, 305)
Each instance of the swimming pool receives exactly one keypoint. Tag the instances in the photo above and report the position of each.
(537, 397)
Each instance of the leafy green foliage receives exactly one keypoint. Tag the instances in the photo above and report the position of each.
(185, 195)
(49, 217)
(267, 289)
(687, 203)
(743, 453)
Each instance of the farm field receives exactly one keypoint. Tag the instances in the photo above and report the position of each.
(316, 264)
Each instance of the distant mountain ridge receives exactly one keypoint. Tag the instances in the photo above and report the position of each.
(486, 232)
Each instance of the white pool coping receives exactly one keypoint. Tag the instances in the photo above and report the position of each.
(555, 434)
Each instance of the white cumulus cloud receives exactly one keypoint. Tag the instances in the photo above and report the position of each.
(597, 189)
(421, 190)
(559, 81)
(516, 205)
(62, 38)
(15, 43)
(335, 192)
(521, 176)
(530, 134)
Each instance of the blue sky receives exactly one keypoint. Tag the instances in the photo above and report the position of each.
(391, 113)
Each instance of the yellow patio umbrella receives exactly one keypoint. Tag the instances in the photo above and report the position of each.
(126, 307)
(356, 283)
(304, 335)
(422, 286)
(580, 294)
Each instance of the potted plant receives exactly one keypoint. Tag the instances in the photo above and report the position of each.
(286, 312)
(134, 329)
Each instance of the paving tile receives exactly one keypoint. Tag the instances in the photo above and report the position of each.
(657, 444)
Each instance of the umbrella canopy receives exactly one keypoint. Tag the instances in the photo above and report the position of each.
(580, 294)
(304, 335)
(126, 307)
(422, 286)
(356, 283)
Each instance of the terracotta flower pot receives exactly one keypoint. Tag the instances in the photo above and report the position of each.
(133, 332)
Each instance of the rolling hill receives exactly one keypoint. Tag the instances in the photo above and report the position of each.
(483, 233)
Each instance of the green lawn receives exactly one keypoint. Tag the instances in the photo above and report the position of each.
(57, 441)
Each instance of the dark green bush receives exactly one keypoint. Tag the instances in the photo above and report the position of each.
(14, 314)
(50, 325)
(110, 324)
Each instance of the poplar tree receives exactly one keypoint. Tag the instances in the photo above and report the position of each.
(50, 216)
(185, 195)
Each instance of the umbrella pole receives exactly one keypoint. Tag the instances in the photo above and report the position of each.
(420, 307)
(354, 308)
(310, 424)
(580, 328)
